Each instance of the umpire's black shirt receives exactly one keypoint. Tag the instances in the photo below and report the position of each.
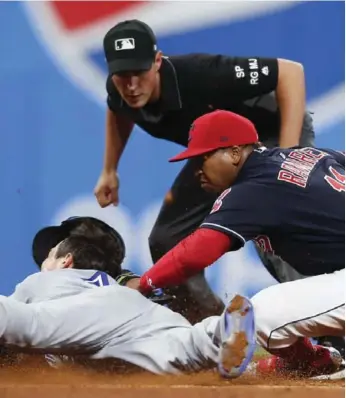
(195, 84)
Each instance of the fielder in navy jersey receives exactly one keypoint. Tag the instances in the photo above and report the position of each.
(290, 202)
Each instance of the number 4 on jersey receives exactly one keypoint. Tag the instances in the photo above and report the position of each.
(336, 181)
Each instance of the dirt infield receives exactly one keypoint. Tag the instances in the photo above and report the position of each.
(108, 391)
(49, 383)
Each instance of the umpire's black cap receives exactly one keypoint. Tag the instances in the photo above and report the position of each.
(129, 46)
(49, 237)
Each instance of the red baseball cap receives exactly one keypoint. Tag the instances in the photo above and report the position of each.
(218, 129)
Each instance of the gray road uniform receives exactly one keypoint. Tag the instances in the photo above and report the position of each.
(84, 312)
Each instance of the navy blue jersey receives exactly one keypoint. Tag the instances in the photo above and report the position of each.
(290, 202)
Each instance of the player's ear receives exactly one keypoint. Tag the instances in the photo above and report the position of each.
(68, 261)
(235, 152)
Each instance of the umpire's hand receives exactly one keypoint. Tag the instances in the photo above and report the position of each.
(107, 188)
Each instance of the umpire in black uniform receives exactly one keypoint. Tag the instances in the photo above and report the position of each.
(163, 95)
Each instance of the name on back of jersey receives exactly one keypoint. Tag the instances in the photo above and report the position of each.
(298, 165)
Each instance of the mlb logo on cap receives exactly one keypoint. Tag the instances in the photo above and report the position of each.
(125, 44)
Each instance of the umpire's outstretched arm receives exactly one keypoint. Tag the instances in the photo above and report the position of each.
(290, 95)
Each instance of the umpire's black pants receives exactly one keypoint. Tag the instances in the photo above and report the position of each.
(183, 210)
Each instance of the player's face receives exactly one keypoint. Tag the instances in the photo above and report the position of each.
(52, 262)
(219, 169)
(137, 88)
